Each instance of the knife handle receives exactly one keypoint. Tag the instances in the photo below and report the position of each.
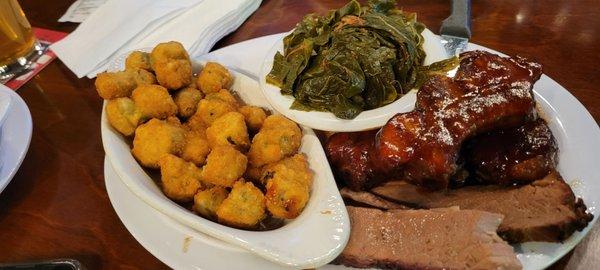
(459, 22)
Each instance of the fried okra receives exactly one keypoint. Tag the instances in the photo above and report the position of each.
(187, 100)
(123, 115)
(171, 63)
(288, 185)
(174, 74)
(209, 109)
(138, 60)
(142, 76)
(206, 202)
(224, 95)
(254, 116)
(224, 165)
(167, 51)
(278, 138)
(229, 129)
(115, 84)
(180, 179)
(196, 147)
(154, 101)
(155, 139)
(244, 207)
(213, 78)
(120, 84)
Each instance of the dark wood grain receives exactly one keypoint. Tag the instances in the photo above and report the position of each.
(57, 206)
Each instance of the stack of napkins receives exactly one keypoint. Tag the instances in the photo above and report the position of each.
(118, 27)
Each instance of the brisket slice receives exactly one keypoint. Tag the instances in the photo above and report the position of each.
(544, 210)
(368, 199)
(446, 238)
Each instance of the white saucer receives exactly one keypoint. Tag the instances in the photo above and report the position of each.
(15, 136)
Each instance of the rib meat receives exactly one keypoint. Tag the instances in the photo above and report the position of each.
(422, 146)
(508, 156)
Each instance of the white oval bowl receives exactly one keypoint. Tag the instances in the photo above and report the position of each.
(312, 239)
(368, 119)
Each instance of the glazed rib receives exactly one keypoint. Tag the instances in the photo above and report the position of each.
(508, 156)
(422, 146)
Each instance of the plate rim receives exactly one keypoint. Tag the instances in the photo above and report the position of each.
(17, 103)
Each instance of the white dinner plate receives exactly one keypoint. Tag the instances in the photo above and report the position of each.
(327, 121)
(313, 238)
(15, 135)
(576, 131)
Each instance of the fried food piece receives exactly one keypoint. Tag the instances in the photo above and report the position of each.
(115, 84)
(180, 179)
(244, 207)
(224, 95)
(294, 168)
(155, 139)
(224, 165)
(209, 109)
(168, 51)
(206, 202)
(229, 129)
(187, 100)
(279, 121)
(286, 198)
(213, 78)
(196, 147)
(174, 74)
(278, 138)
(138, 60)
(195, 123)
(171, 63)
(288, 186)
(154, 101)
(142, 76)
(254, 116)
(123, 115)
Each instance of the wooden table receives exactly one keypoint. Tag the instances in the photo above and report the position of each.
(57, 206)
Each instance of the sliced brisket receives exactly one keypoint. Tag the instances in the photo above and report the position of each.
(446, 238)
(544, 210)
(368, 199)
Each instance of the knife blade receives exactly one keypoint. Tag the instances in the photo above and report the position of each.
(456, 29)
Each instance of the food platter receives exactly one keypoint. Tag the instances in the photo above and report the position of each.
(576, 132)
(322, 228)
(327, 121)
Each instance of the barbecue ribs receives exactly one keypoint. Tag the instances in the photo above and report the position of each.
(422, 146)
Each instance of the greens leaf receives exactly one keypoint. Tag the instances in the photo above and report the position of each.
(352, 59)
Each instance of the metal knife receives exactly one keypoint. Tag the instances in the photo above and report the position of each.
(456, 29)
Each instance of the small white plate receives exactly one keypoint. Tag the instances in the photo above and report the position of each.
(369, 119)
(312, 239)
(15, 135)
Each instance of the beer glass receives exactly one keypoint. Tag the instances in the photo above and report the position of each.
(18, 45)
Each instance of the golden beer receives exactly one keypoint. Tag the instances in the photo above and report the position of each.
(16, 36)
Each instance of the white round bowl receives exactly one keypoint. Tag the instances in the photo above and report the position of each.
(327, 121)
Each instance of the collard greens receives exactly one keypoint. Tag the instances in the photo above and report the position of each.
(352, 59)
